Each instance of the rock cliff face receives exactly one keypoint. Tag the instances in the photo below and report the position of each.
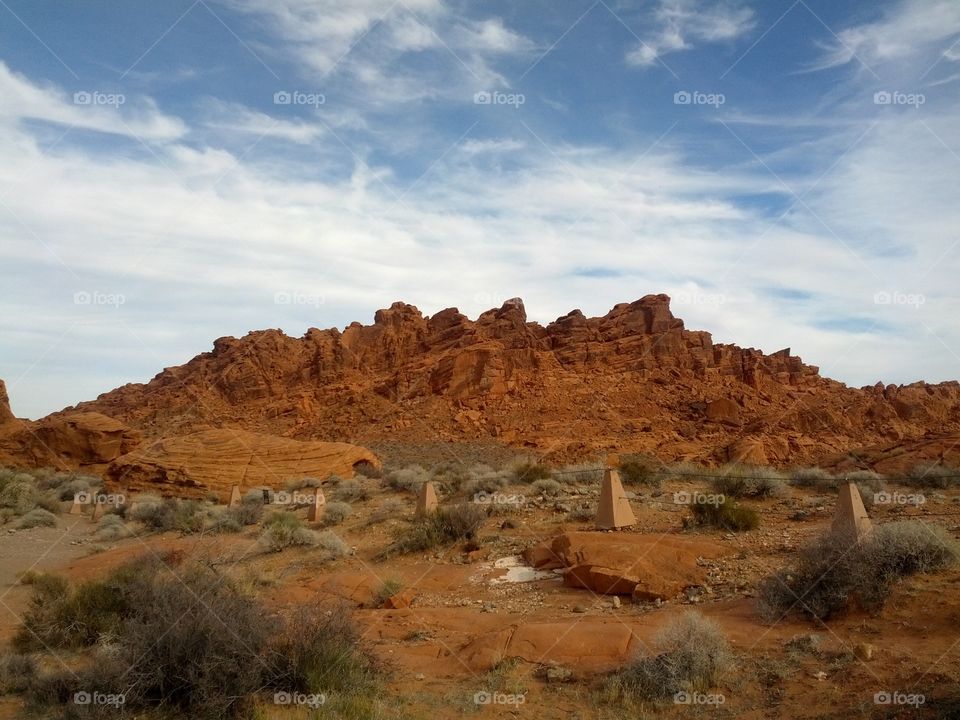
(632, 380)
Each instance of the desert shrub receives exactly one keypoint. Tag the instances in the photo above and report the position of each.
(283, 530)
(832, 575)
(547, 486)
(866, 478)
(260, 495)
(336, 512)
(351, 491)
(685, 470)
(318, 650)
(38, 517)
(529, 472)
(726, 515)
(388, 588)
(169, 514)
(580, 474)
(866, 494)
(367, 469)
(749, 481)
(447, 525)
(17, 672)
(693, 655)
(301, 483)
(387, 510)
(483, 479)
(333, 545)
(112, 527)
(583, 514)
(20, 496)
(932, 475)
(407, 479)
(247, 512)
(813, 477)
(641, 470)
(225, 522)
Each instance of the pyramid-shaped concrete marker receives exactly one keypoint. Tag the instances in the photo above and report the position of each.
(614, 509)
(234, 496)
(317, 507)
(97, 510)
(850, 519)
(77, 507)
(427, 499)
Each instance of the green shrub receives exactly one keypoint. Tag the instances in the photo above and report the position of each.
(38, 517)
(283, 530)
(749, 481)
(336, 512)
(483, 479)
(641, 470)
(112, 527)
(407, 479)
(333, 545)
(20, 496)
(693, 655)
(169, 514)
(447, 525)
(726, 515)
(831, 575)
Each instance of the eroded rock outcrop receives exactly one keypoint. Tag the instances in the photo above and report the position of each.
(214, 461)
(634, 380)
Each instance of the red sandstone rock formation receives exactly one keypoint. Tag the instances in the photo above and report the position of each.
(632, 380)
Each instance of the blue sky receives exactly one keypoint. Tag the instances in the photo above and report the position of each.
(174, 172)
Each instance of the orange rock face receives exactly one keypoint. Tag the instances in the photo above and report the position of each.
(634, 380)
(217, 460)
(67, 441)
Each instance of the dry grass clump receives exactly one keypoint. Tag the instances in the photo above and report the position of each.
(447, 525)
(641, 470)
(283, 530)
(729, 516)
(932, 475)
(336, 512)
(752, 481)
(693, 655)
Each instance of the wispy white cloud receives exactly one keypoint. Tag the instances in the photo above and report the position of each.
(683, 24)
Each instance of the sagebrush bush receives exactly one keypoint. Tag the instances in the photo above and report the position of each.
(388, 588)
(866, 478)
(283, 530)
(727, 515)
(350, 491)
(447, 525)
(336, 512)
(38, 517)
(406, 479)
(932, 475)
(831, 574)
(483, 479)
(301, 483)
(332, 544)
(169, 514)
(111, 527)
(641, 470)
(693, 655)
(813, 477)
(17, 672)
(20, 496)
(580, 474)
(749, 481)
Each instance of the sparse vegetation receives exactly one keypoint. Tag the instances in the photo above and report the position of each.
(547, 486)
(813, 477)
(528, 472)
(641, 470)
(406, 479)
(831, 575)
(17, 672)
(751, 481)
(932, 475)
(389, 509)
(693, 655)
(447, 525)
(389, 588)
(580, 474)
(727, 515)
(283, 530)
(38, 517)
(336, 512)
(162, 515)
(348, 491)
